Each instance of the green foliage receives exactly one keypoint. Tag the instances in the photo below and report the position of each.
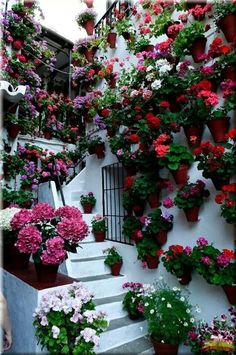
(177, 260)
(98, 224)
(186, 37)
(147, 246)
(138, 43)
(124, 25)
(86, 15)
(191, 195)
(113, 257)
(22, 198)
(168, 314)
(130, 225)
(88, 199)
(159, 25)
(12, 165)
(158, 222)
(222, 8)
(177, 155)
(133, 299)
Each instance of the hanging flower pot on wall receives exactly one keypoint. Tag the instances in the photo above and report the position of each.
(192, 213)
(161, 237)
(89, 26)
(198, 48)
(13, 129)
(152, 261)
(111, 39)
(229, 72)
(219, 128)
(193, 134)
(230, 291)
(180, 175)
(89, 54)
(153, 199)
(227, 26)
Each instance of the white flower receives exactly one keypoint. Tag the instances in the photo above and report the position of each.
(152, 311)
(160, 277)
(55, 331)
(6, 216)
(146, 304)
(168, 305)
(149, 68)
(175, 289)
(185, 324)
(198, 310)
(187, 310)
(165, 69)
(192, 320)
(182, 299)
(156, 84)
(163, 299)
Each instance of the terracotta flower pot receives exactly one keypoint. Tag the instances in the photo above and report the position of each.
(227, 26)
(87, 208)
(153, 199)
(134, 316)
(89, 54)
(148, 48)
(47, 135)
(99, 150)
(198, 48)
(161, 237)
(46, 273)
(229, 72)
(115, 269)
(13, 130)
(89, 3)
(219, 128)
(152, 261)
(186, 276)
(138, 210)
(230, 291)
(164, 349)
(111, 39)
(112, 82)
(89, 26)
(192, 213)
(99, 236)
(181, 174)
(193, 131)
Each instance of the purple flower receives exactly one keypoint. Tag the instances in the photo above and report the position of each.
(202, 242)
(97, 120)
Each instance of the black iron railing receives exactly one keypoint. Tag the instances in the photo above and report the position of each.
(113, 186)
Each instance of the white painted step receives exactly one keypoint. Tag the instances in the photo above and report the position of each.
(89, 267)
(113, 310)
(121, 331)
(104, 285)
(89, 249)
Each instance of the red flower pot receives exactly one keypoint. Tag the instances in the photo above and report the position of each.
(230, 291)
(111, 39)
(138, 210)
(198, 48)
(229, 72)
(148, 48)
(89, 3)
(164, 349)
(46, 273)
(186, 277)
(112, 83)
(152, 261)
(153, 200)
(192, 213)
(126, 35)
(194, 131)
(115, 269)
(89, 26)
(47, 135)
(99, 236)
(99, 150)
(181, 174)
(134, 316)
(13, 130)
(161, 237)
(87, 208)
(227, 26)
(219, 128)
(89, 54)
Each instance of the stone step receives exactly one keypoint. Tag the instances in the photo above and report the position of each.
(89, 267)
(90, 249)
(104, 285)
(138, 346)
(119, 332)
(113, 310)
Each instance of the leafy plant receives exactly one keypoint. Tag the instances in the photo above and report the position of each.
(191, 194)
(227, 199)
(159, 222)
(133, 299)
(21, 198)
(177, 260)
(147, 246)
(99, 223)
(86, 15)
(89, 199)
(131, 225)
(175, 156)
(223, 8)
(59, 330)
(168, 313)
(112, 257)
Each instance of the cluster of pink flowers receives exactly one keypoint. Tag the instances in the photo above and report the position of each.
(42, 212)
(72, 229)
(29, 240)
(21, 218)
(54, 253)
(68, 212)
(134, 286)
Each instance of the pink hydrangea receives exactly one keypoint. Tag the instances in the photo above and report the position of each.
(68, 212)
(29, 240)
(168, 202)
(42, 212)
(21, 218)
(72, 229)
(54, 253)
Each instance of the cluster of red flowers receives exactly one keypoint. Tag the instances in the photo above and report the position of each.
(152, 121)
(217, 48)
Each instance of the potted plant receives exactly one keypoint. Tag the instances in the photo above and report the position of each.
(88, 202)
(114, 260)
(12, 165)
(190, 40)
(169, 317)
(216, 162)
(227, 199)
(96, 146)
(58, 330)
(190, 197)
(225, 18)
(13, 126)
(176, 158)
(48, 234)
(140, 44)
(21, 198)
(159, 224)
(217, 267)
(149, 252)
(86, 19)
(131, 227)
(177, 260)
(99, 227)
(133, 299)
(132, 203)
(124, 27)
(216, 336)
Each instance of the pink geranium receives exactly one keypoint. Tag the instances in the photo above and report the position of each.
(72, 229)
(29, 240)
(21, 218)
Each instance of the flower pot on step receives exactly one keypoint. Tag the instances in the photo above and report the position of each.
(192, 213)
(99, 236)
(46, 273)
(198, 48)
(180, 175)
(111, 39)
(87, 208)
(164, 349)
(219, 128)
(89, 26)
(115, 269)
(230, 291)
(227, 26)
